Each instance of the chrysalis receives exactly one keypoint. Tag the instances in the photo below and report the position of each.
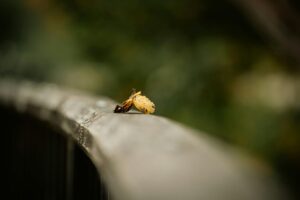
(142, 103)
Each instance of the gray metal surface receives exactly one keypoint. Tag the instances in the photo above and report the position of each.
(143, 157)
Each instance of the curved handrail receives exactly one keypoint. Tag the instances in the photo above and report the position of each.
(141, 156)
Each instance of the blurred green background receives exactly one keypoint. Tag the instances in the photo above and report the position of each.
(229, 68)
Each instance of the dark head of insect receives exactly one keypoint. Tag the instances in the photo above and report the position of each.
(119, 109)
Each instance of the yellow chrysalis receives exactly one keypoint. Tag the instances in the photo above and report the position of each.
(142, 103)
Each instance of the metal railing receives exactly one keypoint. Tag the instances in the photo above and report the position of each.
(43, 163)
(62, 144)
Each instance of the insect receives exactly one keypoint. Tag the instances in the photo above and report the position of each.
(142, 103)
